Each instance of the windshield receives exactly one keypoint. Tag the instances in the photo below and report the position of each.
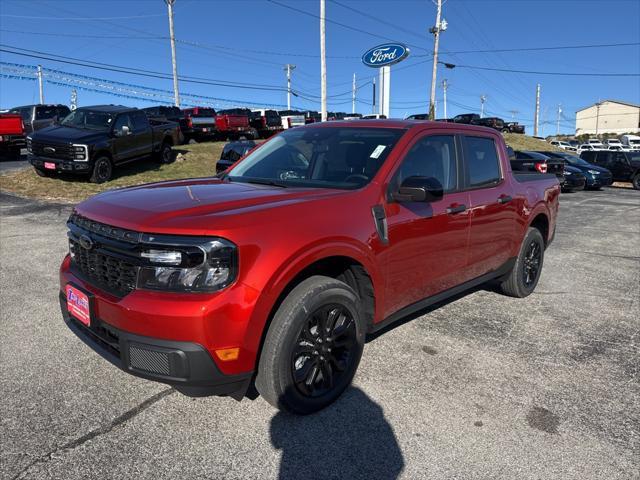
(88, 120)
(573, 160)
(327, 157)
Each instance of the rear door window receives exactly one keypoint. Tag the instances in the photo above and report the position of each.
(43, 113)
(140, 122)
(482, 162)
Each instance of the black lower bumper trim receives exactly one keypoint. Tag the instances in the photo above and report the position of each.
(61, 165)
(185, 365)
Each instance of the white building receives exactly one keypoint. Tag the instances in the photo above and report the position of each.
(608, 116)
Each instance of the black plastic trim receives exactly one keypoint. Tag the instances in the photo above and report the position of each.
(424, 303)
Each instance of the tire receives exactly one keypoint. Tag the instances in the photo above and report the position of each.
(303, 367)
(43, 173)
(505, 130)
(635, 181)
(521, 281)
(165, 154)
(102, 170)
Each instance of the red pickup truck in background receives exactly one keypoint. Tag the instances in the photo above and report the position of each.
(12, 135)
(234, 123)
(200, 124)
(273, 274)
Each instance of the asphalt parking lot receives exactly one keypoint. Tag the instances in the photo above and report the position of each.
(483, 387)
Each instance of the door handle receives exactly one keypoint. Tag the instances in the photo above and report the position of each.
(502, 199)
(453, 209)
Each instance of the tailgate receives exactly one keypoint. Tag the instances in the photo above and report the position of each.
(11, 125)
(237, 121)
(203, 121)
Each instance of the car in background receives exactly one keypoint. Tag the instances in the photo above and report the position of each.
(574, 143)
(596, 176)
(266, 122)
(596, 144)
(418, 116)
(467, 118)
(233, 123)
(562, 144)
(168, 114)
(12, 137)
(491, 122)
(36, 117)
(292, 118)
(612, 142)
(374, 116)
(311, 116)
(530, 161)
(92, 141)
(232, 152)
(624, 166)
(513, 127)
(585, 147)
(200, 124)
(353, 116)
(631, 141)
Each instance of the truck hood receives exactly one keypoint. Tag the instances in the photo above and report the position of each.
(190, 207)
(60, 134)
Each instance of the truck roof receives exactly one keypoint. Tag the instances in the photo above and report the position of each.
(399, 123)
(109, 108)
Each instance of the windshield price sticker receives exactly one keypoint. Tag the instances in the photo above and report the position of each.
(378, 151)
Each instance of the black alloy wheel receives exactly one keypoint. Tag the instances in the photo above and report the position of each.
(324, 350)
(531, 264)
(102, 170)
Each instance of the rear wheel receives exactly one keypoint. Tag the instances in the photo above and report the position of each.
(313, 346)
(524, 276)
(102, 170)
(165, 155)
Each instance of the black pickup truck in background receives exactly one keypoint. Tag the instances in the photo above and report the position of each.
(466, 118)
(491, 122)
(513, 127)
(94, 140)
(169, 114)
(36, 117)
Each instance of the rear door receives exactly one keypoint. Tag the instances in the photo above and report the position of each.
(491, 205)
(142, 133)
(427, 250)
(620, 166)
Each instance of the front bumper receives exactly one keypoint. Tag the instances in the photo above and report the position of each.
(573, 182)
(185, 365)
(599, 180)
(69, 166)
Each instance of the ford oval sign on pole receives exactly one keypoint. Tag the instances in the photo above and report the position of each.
(386, 54)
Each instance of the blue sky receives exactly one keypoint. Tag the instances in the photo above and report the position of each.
(249, 42)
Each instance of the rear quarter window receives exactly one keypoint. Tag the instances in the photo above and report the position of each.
(481, 160)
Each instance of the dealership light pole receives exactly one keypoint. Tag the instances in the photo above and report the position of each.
(323, 66)
(483, 98)
(289, 68)
(353, 95)
(172, 38)
(40, 85)
(536, 117)
(445, 85)
(440, 26)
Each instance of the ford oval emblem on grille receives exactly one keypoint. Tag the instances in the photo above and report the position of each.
(49, 149)
(86, 242)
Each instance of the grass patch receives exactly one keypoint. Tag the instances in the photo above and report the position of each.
(523, 142)
(197, 160)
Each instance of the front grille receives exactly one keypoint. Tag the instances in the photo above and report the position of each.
(151, 361)
(52, 150)
(106, 271)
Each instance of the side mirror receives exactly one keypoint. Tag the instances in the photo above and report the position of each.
(124, 131)
(419, 189)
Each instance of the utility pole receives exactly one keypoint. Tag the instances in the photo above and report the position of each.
(444, 91)
(174, 63)
(597, 115)
(323, 65)
(483, 98)
(558, 120)
(514, 113)
(536, 117)
(439, 27)
(289, 68)
(40, 84)
(74, 99)
(353, 95)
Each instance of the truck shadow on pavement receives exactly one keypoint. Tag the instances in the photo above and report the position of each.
(350, 439)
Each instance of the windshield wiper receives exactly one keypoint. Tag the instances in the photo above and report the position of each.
(266, 181)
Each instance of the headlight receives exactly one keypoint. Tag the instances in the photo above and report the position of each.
(594, 172)
(80, 153)
(185, 265)
(568, 173)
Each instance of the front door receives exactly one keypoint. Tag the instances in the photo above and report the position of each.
(620, 167)
(427, 242)
(124, 142)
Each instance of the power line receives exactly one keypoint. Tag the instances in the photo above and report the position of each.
(81, 18)
(535, 49)
(532, 72)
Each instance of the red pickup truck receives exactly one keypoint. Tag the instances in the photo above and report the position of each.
(273, 274)
(12, 136)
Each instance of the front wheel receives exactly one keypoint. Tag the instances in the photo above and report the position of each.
(635, 181)
(312, 348)
(43, 173)
(102, 170)
(524, 276)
